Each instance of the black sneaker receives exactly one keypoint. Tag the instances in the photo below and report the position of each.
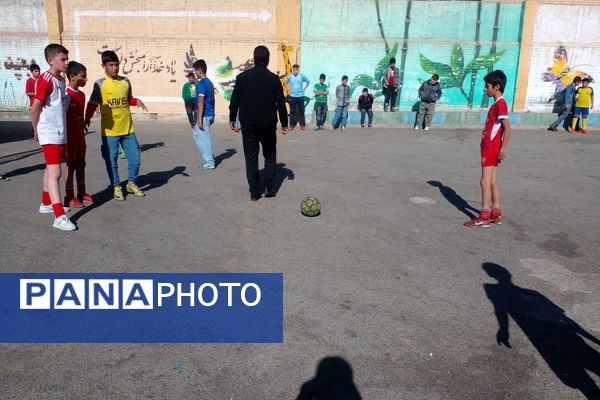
(552, 128)
(270, 193)
(255, 197)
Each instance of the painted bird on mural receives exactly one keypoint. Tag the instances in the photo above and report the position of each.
(560, 73)
(222, 73)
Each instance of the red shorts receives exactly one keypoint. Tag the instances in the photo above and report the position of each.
(489, 157)
(54, 153)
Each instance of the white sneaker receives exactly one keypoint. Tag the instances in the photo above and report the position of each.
(48, 209)
(416, 128)
(343, 128)
(426, 128)
(64, 224)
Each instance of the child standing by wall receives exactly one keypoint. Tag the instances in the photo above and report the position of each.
(584, 102)
(112, 93)
(76, 146)
(494, 140)
(321, 93)
(342, 95)
(48, 117)
(188, 92)
(365, 106)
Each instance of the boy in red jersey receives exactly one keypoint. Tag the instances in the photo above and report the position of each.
(48, 117)
(30, 84)
(494, 140)
(76, 146)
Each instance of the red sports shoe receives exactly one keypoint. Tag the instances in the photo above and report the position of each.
(75, 203)
(571, 130)
(478, 222)
(302, 127)
(584, 131)
(86, 198)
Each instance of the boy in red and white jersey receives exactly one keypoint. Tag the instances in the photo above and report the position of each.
(48, 117)
(76, 146)
(494, 140)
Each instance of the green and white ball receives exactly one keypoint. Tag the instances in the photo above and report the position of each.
(311, 206)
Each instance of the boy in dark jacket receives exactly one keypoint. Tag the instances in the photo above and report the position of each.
(429, 92)
(365, 106)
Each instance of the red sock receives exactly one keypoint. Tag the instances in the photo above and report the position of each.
(484, 214)
(46, 198)
(58, 209)
(496, 212)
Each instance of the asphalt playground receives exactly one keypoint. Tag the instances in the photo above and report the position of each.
(386, 281)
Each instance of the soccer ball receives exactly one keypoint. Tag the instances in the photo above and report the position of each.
(311, 206)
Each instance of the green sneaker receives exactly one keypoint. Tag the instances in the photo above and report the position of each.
(118, 191)
(134, 189)
(122, 155)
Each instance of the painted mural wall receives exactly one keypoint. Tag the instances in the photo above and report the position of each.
(159, 41)
(24, 45)
(566, 44)
(343, 37)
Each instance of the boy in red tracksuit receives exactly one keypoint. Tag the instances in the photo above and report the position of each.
(76, 146)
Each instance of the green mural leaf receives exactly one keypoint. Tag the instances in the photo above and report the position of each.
(483, 62)
(384, 62)
(227, 94)
(364, 81)
(224, 67)
(432, 67)
(457, 60)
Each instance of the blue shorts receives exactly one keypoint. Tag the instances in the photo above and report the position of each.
(583, 111)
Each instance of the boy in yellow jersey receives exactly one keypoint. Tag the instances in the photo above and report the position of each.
(113, 94)
(584, 102)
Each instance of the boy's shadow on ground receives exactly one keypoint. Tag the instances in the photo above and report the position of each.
(146, 182)
(557, 338)
(333, 381)
(25, 170)
(455, 199)
(224, 156)
(19, 156)
(281, 174)
(148, 146)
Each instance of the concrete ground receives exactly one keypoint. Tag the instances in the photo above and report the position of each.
(397, 289)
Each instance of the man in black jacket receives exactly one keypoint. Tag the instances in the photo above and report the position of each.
(258, 95)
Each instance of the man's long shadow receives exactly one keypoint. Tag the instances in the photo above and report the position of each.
(333, 381)
(146, 182)
(228, 153)
(557, 338)
(455, 199)
(281, 174)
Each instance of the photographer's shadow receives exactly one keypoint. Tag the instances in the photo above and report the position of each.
(558, 339)
(333, 381)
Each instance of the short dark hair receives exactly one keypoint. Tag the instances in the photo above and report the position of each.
(74, 68)
(109, 56)
(261, 55)
(365, 90)
(588, 80)
(200, 65)
(392, 60)
(53, 49)
(345, 77)
(322, 76)
(190, 74)
(577, 79)
(435, 76)
(496, 77)
(33, 67)
(295, 66)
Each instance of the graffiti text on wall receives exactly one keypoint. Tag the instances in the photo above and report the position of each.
(134, 61)
(17, 65)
